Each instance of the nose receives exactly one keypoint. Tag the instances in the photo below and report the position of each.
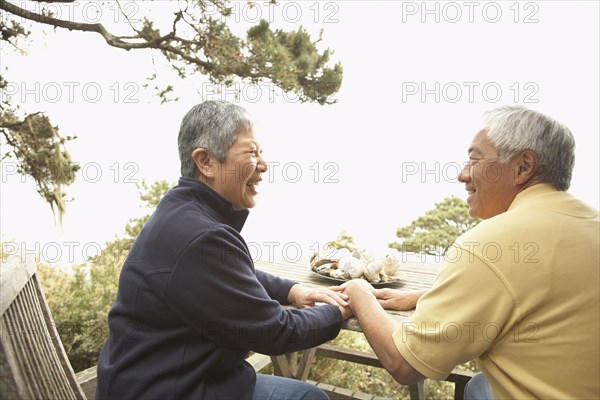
(261, 166)
(464, 175)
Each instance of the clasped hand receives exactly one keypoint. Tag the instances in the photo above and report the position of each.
(390, 299)
(302, 296)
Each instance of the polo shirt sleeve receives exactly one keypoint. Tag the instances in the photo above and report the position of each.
(461, 317)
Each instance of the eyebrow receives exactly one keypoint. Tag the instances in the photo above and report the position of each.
(255, 144)
(474, 149)
(250, 142)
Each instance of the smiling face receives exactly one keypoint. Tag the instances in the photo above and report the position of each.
(238, 176)
(491, 185)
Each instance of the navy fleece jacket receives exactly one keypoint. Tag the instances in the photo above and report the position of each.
(190, 306)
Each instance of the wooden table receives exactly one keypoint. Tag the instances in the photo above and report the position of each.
(417, 276)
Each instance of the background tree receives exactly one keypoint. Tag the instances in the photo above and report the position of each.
(343, 241)
(40, 152)
(435, 231)
(198, 41)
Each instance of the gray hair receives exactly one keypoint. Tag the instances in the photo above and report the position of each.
(212, 125)
(513, 129)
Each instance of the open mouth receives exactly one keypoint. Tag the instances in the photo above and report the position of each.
(252, 184)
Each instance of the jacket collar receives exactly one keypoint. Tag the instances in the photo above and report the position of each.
(225, 211)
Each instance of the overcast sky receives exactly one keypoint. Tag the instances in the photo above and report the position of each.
(417, 78)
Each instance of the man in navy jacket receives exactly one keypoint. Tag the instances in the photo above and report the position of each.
(190, 305)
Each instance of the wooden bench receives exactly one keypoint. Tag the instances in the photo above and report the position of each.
(34, 365)
(33, 362)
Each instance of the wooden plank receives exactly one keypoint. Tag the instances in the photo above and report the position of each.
(458, 375)
(417, 275)
(15, 273)
(339, 393)
(355, 356)
(282, 366)
(87, 381)
(325, 386)
(417, 391)
(259, 361)
(460, 379)
(362, 396)
(304, 367)
(343, 392)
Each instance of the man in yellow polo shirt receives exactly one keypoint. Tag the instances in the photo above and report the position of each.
(519, 292)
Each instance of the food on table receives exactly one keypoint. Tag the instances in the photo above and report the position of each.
(345, 265)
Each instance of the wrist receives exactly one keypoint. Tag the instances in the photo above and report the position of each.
(415, 296)
(293, 293)
(359, 294)
(359, 286)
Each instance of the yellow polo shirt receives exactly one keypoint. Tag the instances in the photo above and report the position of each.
(519, 293)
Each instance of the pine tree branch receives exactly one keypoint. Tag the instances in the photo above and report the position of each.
(112, 40)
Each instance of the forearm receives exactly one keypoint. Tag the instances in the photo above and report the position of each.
(398, 300)
(414, 296)
(376, 324)
(378, 327)
(277, 288)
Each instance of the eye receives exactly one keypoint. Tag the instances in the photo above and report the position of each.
(473, 161)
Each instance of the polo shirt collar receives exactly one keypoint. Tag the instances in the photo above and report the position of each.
(530, 193)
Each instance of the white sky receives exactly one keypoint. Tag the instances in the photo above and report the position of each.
(417, 77)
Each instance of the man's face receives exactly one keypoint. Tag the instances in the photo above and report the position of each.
(238, 176)
(491, 185)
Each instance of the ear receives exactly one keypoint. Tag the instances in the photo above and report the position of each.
(206, 164)
(526, 166)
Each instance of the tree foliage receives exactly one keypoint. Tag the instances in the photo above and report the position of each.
(40, 152)
(343, 241)
(199, 41)
(435, 231)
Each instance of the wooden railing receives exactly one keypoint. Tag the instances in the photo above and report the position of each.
(87, 378)
(297, 365)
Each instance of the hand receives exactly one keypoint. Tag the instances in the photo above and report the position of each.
(302, 296)
(397, 300)
(355, 285)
